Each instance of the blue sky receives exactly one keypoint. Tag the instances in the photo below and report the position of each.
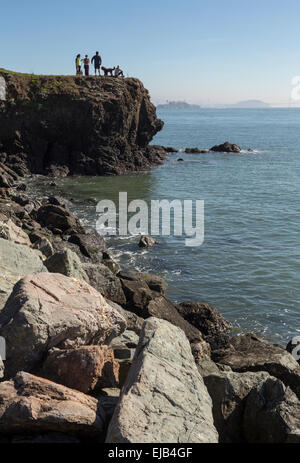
(195, 50)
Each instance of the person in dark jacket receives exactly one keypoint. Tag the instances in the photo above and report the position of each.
(86, 63)
(97, 60)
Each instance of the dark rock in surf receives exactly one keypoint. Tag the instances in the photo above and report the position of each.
(226, 148)
(147, 242)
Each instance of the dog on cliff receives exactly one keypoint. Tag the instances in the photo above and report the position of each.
(108, 71)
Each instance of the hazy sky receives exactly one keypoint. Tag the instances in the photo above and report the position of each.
(198, 50)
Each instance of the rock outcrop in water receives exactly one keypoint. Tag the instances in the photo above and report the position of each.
(61, 125)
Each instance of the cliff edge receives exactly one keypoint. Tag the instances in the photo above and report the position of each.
(67, 125)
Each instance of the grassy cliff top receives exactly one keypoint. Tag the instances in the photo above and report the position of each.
(29, 86)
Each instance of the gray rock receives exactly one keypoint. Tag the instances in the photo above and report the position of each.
(103, 279)
(272, 414)
(16, 261)
(44, 245)
(19, 260)
(67, 263)
(128, 338)
(133, 321)
(51, 310)
(229, 391)
(164, 398)
(10, 231)
(32, 404)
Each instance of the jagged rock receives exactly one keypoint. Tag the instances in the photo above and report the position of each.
(58, 218)
(67, 263)
(52, 310)
(163, 382)
(103, 128)
(229, 391)
(133, 322)
(207, 319)
(154, 282)
(113, 266)
(87, 368)
(272, 414)
(249, 353)
(147, 242)
(43, 245)
(102, 279)
(90, 245)
(146, 303)
(29, 404)
(10, 231)
(226, 148)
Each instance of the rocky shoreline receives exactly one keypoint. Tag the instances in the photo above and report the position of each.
(96, 353)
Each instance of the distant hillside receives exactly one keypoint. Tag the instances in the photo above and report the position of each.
(177, 105)
(250, 104)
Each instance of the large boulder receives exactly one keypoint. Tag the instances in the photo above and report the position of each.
(164, 398)
(29, 404)
(87, 368)
(16, 260)
(229, 392)
(133, 321)
(249, 353)
(52, 310)
(58, 218)
(154, 282)
(226, 148)
(11, 232)
(146, 303)
(272, 414)
(91, 245)
(103, 279)
(67, 263)
(207, 319)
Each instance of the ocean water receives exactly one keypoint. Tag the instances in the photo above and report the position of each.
(248, 265)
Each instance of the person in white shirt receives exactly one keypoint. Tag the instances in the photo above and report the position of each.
(119, 72)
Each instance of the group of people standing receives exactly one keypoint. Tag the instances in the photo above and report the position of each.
(97, 61)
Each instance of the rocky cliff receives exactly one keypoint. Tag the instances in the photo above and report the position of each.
(64, 125)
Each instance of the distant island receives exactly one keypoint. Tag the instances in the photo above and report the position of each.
(250, 104)
(183, 105)
(178, 105)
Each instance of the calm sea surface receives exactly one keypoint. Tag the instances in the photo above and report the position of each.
(249, 265)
